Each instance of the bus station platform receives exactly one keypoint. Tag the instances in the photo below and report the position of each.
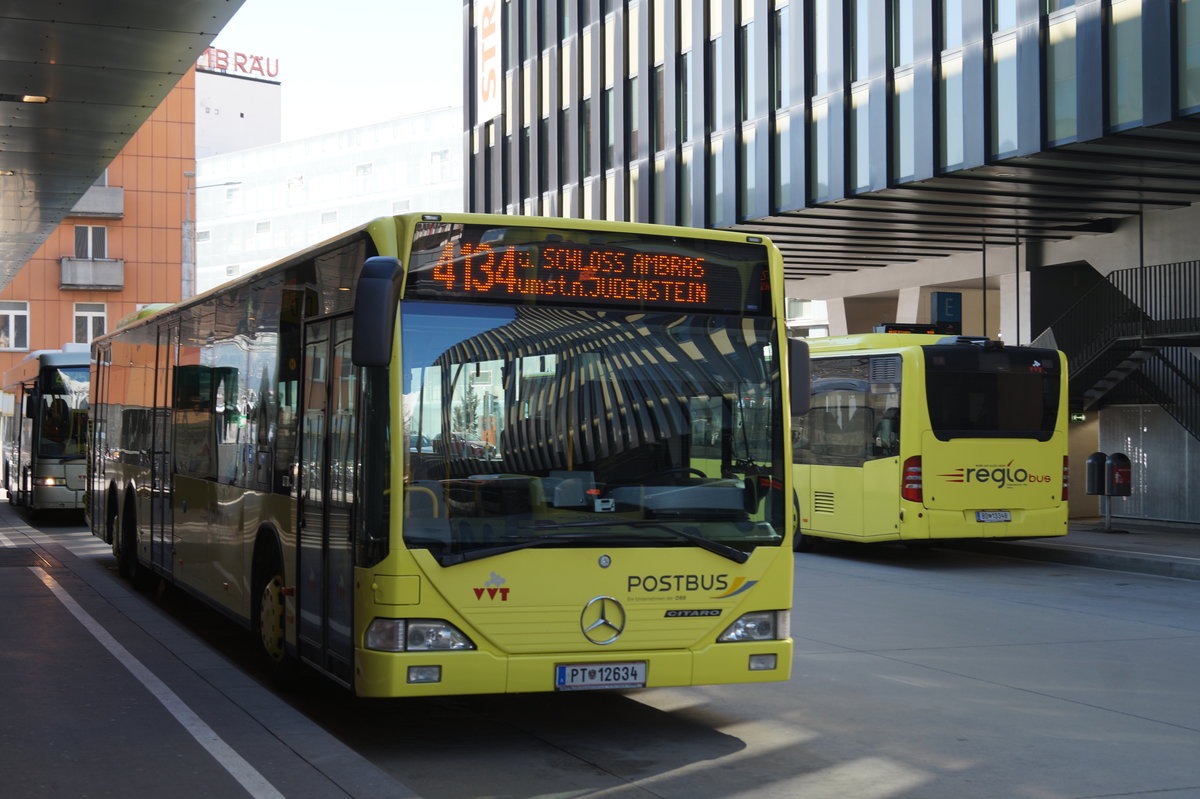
(104, 695)
(1165, 549)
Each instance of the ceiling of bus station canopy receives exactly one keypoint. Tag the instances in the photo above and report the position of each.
(1073, 190)
(104, 66)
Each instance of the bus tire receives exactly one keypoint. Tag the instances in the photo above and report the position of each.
(268, 612)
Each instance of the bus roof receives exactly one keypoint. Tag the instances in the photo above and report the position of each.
(29, 366)
(874, 341)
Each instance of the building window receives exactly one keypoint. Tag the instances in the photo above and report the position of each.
(91, 241)
(232, 271)
(1189, 55)
(951, 24)
(820, 50)
(1125, 63)
(1061, 113)
(203, 235)
(262, 227)
(89, 321)
(1004, 96)
(951, 99)
(861, 59)
(1004, 15)
(902, 32)
(328, 217)
(860, 139)
(14, 325)
(904, 126)
(819, 151)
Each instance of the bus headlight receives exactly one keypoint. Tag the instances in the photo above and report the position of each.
(415, 635)
(51, 481)
(763, 625)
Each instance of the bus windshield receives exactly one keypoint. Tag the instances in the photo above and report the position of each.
(977, 392)
(63, 412)
(626, 428)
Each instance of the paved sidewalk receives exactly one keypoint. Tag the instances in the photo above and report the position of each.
(1135, 545)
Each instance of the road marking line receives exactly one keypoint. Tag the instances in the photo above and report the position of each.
(246, 775)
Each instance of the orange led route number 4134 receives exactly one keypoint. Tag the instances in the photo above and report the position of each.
(453, 453)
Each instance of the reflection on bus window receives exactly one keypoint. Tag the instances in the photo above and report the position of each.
(855, 415)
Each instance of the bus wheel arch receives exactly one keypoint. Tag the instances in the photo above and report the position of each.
(268, 609)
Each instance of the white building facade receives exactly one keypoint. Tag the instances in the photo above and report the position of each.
(257, 205)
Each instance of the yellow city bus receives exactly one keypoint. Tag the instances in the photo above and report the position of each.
(924, 438)
(456, 453)
(45, 437)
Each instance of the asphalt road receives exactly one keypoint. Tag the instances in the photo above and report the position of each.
(917, 675)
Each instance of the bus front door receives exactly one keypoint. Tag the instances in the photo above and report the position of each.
(162, 528)
(327, 474)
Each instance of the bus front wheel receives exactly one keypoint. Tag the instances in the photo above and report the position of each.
(269, 617)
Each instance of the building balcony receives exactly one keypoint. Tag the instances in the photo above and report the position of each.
(91, 274)
(102, 202)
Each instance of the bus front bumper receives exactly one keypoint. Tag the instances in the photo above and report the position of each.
(386, 674)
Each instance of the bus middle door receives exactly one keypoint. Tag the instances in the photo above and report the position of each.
(162, 527)
(327, 474)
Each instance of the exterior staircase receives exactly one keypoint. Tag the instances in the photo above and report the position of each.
(1135, 335)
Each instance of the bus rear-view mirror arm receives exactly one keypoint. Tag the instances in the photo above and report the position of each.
(375, 298)
(799, 376)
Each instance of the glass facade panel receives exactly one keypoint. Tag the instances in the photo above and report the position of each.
(951, 24)
(781, 46)
(860, 138)
(1125, 63)
(902, 32)
(1060, 81)
(819, 151)
(820, 48)
(686, 215)
(782, 173)
(748, 96)
(747, 174)
(951, 98)
(1004, 97)
(1189, 54)
(1004, 14)
(862, 42)
(716, 83)
(903, 128)
(716, 175)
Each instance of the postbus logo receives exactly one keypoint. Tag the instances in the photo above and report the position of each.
(999, 475)
(686, 583)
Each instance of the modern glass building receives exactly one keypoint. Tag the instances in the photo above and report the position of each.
(1039, 158)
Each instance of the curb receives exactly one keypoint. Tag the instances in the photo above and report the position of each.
(1100, 559)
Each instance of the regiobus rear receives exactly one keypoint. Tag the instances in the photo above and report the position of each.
(920, 438)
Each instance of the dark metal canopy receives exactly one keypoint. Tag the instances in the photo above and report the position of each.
(1048, 196)
(102, 68)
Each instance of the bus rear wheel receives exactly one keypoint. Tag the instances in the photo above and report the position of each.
(126, 549)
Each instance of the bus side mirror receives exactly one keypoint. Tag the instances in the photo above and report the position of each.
(799, 376)
(375, 299)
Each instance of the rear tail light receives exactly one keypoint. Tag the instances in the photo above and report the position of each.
(1066, 478)
(911, 487)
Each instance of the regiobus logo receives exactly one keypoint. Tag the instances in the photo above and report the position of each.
(1000, 475)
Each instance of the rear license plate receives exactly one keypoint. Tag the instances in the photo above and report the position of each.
(993, 516)
(585, 676)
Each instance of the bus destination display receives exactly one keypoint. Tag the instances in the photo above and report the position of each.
(543, 266)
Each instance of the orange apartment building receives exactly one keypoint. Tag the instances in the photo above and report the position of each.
(120, 247)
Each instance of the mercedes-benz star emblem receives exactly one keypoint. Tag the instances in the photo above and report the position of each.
(603, 620)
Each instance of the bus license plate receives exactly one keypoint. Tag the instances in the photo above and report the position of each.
(585, 676)
(993, 516)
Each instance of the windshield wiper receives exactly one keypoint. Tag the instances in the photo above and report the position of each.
(717, 548)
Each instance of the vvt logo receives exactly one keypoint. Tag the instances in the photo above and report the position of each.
(998, 475)
(494, 587)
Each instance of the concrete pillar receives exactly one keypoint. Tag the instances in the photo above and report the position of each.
(836, 308)
(1014, 308)
(908, 305)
